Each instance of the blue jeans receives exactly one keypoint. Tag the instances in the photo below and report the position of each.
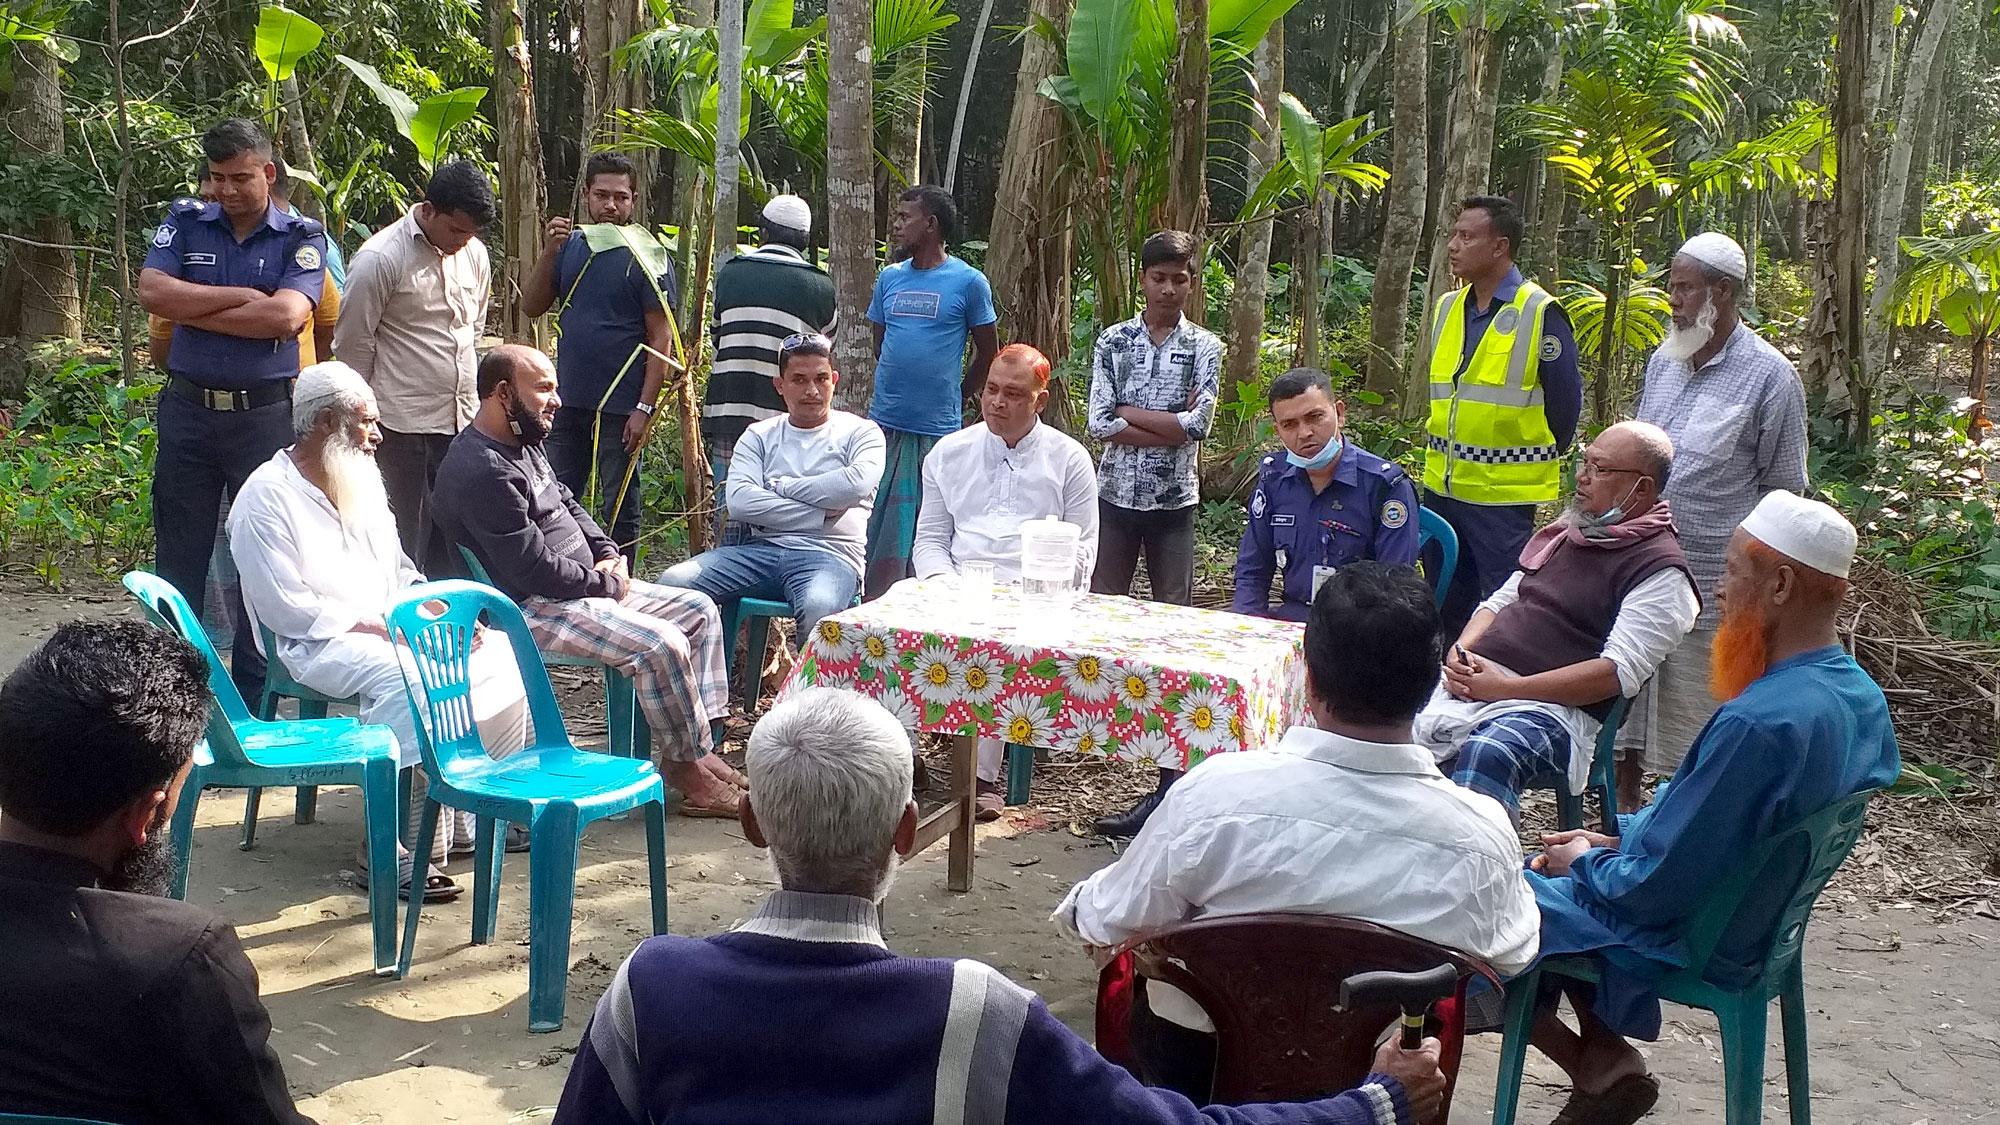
(816, 583)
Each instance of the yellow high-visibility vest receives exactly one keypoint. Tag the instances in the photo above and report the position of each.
(1490, 441)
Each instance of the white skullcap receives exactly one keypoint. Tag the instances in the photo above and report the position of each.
(1808, 531)
(790, 212)
(319, 386)
(1718, 252)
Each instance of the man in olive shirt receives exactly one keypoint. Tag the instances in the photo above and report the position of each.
(120, 1004)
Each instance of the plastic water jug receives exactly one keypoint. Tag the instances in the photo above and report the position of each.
(1048, 559)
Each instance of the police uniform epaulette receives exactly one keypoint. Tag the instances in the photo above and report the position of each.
(308, 225)
(185, 207)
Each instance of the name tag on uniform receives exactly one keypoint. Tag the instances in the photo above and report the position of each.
(1281, 519)
(1320, 575)
(198, 259)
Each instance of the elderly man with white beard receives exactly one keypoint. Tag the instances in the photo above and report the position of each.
(314, 540)
(1736, 413)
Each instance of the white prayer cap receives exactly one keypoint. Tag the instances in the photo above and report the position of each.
(1718, 252)
(319, 386)
(1812, 533)
(790, 212)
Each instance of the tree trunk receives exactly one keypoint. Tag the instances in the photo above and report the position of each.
(122, 193)
(1467, 158)
(607, 26)
(44, 277)
(1028, 253)
(904, 143)
(1305, 283)
(1982, 349)
(1840, 358)
(1253, 258)
(850, 191)
(728, 124)
(1901, 146)
(299, 153)
(1378, 43)
(1187, 170)
(1543, 204)
(1402, 227)
(523, 193)
(965, 93)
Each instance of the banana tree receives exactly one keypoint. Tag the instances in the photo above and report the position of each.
(1119, 114)
(1317, 165)
(427, 125)
(1956, 281)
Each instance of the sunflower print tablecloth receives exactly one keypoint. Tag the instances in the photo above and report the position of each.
(1158, 684)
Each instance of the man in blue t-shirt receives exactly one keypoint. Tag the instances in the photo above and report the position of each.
(925, 305)
(609, 307)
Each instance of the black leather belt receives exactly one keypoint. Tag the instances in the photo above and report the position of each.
(278, 390)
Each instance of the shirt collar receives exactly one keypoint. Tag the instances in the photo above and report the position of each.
(1506, 291)
(803, 916)
(1354, 754)
(779, 250)
(1347, 470)
(274, 218)
(1729, 343)
(1145, 331)
(25, 861)
(1027, 442)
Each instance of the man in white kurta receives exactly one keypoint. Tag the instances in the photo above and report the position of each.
(983, 482)
(321, 566)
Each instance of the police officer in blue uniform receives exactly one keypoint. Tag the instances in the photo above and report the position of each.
(239, 278)
(1321, 505)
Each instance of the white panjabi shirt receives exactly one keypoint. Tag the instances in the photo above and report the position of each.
(978, 492)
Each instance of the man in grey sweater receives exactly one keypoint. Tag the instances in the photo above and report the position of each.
(803, 484)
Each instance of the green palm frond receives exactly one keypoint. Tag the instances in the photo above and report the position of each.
(1643, 316)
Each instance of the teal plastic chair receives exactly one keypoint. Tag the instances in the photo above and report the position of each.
(1603, 777)
(756, 613)
(551, 787)
(625, 729)
(1743, 1012)
(1432, 528)
(242, 750)
(279, 685)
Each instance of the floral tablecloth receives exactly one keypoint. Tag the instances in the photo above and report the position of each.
(1136, 680)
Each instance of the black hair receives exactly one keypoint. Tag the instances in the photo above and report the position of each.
(939, 205)
(770, 232)
(495, 367)
(461, 188)
(1372, 643)
(233, 136)
(1296, 382)
(101, 713)
(610, 164)
(1505, 217)
(1167, 246)
(810, 343)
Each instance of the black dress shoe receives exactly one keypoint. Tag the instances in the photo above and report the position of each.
(1131, 820)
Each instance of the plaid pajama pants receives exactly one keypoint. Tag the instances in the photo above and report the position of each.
(1511, 752)
(668, 640)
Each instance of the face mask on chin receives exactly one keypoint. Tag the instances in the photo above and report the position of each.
(1610, 517)
(525, 424)
(1320, 460)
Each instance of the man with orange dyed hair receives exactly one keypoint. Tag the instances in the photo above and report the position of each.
(982, 482)
(1801, 726)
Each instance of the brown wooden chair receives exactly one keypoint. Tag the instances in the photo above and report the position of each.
(1271, 985)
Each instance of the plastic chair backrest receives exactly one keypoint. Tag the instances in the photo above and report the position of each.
(1825, 838)
(166, 608)
(473, 567)
(1432, 528)
(441, 700)
(1271, 985)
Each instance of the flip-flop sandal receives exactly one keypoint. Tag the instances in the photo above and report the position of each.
(517, 842)
(438, 887)
(1626, 1101)
(727, 774)
(718, 812)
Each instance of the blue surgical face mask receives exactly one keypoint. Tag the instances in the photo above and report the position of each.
(1324, 458)
(1611, 516)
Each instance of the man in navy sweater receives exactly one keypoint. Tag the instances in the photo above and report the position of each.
(803, 1014)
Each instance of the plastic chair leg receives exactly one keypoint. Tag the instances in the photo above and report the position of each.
(551, 903)
(1792, 1013)
(1521, 993)
(753, 660)
(305, 805)
(619, 709)
(252, 799)
(182, 837)
(420, 849)
(1743, 1021)
(656, 860)
(1569, 807)
(383, 813)
(1020, 773)
(489, 844)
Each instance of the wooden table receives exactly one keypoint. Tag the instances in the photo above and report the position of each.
(1155, 684)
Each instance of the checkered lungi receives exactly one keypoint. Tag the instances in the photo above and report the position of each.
(668, 640)
(892, 525)
(1511, 752)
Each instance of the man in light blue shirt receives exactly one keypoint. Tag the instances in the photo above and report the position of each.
(925, 307)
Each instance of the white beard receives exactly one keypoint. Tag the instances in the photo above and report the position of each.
(1681, 343)
(354, 485)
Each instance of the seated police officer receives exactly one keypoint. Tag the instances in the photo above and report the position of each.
(1322, 505)
(239, 279)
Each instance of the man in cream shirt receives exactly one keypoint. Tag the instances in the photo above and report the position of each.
(983, 482)
(1332, 821)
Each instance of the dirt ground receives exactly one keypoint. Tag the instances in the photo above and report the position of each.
(1904, 1008)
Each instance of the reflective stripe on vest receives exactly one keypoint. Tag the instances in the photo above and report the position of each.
(1489, 440)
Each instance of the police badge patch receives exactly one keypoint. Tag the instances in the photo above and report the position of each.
(1257, 505)
(1395, 514)
(307, 258)
(1508, 318)
(1552, 349)
(164, 237)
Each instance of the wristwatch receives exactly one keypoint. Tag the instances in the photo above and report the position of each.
(645, 408)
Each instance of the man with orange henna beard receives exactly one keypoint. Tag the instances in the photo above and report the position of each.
(1801, 726)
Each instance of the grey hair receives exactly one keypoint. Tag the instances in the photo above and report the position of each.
(1656, 449)
(830, 778)
(325, 387)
